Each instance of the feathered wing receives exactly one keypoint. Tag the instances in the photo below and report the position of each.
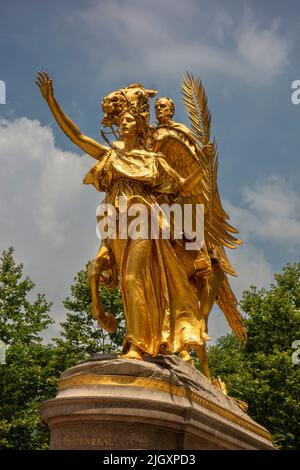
(217, 228)
(183, 150)
(184, 155)
(227, 302)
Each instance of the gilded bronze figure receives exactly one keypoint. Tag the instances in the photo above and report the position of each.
(168, 290)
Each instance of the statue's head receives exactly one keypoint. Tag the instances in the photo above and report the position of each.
(164, 110)
(132, 123)
(114, 104)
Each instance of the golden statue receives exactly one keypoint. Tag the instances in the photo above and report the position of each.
(168, 290)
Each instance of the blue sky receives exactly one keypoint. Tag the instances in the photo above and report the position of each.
(247, 54)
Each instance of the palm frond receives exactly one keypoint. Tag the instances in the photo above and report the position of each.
(195, 102)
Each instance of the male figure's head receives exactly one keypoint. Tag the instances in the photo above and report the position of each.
(164, 110)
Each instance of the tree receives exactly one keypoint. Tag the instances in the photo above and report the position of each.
(23, 378)
(263, 373)
(81, 336)
(31, 372)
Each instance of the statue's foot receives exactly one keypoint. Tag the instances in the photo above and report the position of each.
(133, 353)
(105, 319)
(186, 357)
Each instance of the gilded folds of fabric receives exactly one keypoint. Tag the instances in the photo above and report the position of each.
(160, 306)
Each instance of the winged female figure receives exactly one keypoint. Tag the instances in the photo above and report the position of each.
(160, 305)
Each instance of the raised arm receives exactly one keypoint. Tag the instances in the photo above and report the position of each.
(88, 145)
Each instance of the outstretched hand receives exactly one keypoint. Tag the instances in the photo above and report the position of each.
(44, 83)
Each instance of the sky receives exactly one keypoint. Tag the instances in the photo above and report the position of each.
(246, 53)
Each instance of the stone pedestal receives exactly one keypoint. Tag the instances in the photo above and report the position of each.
(160, 403)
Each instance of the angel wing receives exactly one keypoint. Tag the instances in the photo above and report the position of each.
(184, 149)
(184, 154)
(227, 302)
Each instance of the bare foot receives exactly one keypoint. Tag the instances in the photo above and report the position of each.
(105, 319)
(133, 353)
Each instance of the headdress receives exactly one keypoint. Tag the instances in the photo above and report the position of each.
(134, 98)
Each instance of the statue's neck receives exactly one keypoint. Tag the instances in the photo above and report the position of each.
(131, 143)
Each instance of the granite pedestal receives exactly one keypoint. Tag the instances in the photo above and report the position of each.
(159, 403)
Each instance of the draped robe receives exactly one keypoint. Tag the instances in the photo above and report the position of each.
(161, 309)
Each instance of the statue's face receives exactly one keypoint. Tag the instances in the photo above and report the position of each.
(128, 125)
(163, 110)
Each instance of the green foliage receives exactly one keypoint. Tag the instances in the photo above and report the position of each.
(23, 379)
(263, 374)
(81, 336)
(32, 369)
(20, 319)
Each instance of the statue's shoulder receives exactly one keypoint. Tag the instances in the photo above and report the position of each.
(173, 129)
(117, 145)
(181, 127)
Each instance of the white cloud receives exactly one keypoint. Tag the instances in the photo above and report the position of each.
(270, 212)
(252, 267)
(46, 212)
(263, 51)
(163, 38)
(269, 215)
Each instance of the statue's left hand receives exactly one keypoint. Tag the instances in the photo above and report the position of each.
(44, 83)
